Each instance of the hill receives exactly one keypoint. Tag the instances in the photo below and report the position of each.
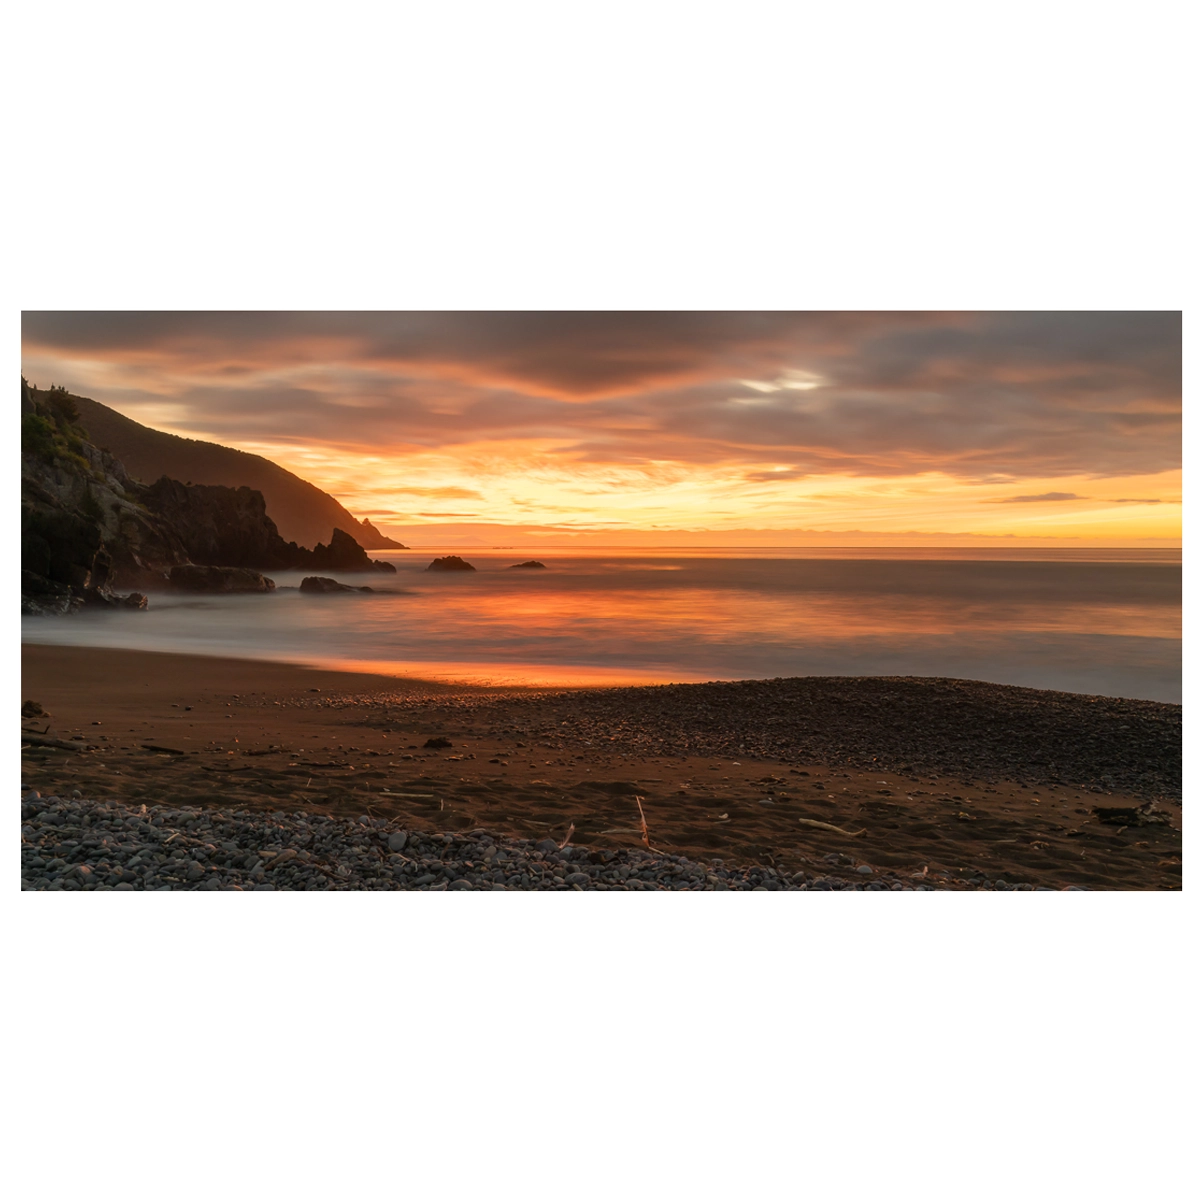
(303, 513)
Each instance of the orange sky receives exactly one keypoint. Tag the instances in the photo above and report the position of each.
(739, 427)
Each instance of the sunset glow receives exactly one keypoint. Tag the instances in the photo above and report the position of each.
(732, 428)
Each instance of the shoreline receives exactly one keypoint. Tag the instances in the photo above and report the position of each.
(935, 775)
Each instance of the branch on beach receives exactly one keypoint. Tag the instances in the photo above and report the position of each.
(832, 828)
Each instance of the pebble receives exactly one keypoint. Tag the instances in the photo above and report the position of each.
(162, 848)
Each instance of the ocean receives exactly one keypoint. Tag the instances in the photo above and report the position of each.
(1100, 622)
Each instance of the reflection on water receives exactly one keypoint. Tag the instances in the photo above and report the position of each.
(1106, 627)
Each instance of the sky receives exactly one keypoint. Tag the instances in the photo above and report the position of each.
(667, 428)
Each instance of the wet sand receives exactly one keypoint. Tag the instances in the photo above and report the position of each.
(945, 779)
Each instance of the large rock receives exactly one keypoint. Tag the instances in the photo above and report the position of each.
(531, 565)
(318, 585)
(450, 563)
(344, 554)
(191, 578)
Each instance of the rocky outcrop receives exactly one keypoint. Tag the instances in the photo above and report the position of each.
(450, 563)
(221, 526)
(87, 527)
(342, 554)
(318, 585)
(531, 565)
(81, 519)
(223, 580)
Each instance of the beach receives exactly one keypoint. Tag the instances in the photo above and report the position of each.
(952, 783)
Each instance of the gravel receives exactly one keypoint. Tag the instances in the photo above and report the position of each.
(956, 727)
(77, 844)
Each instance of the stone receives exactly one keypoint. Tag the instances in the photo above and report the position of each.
(865, 870)
(547, 846)
(222, 580)
(319, 585)
(578, 877)
(461, 885)
(397, 841)
(451, 562)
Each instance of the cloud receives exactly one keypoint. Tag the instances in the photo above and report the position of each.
(884, 394)
(1039, 498)
(438, 493)
(1126, 500)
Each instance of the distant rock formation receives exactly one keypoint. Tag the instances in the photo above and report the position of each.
(191, 578)
(320, 586)
(450, 563)
(302, 512)
(531, 565)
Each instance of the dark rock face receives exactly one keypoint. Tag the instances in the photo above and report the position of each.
(221, 526)
(79, 520)
(450, 563)
(191, 578)
(319, 585)
(531, 565)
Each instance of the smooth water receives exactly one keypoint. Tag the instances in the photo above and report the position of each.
(1106, 623)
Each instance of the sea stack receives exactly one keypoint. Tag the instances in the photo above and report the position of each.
(531, 565)
(450, 563)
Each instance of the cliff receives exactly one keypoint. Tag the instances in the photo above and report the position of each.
(303, 513)
(87, 527)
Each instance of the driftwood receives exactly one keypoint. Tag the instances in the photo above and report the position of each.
(832, 828)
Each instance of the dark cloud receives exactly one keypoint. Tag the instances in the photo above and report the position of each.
(978, 395)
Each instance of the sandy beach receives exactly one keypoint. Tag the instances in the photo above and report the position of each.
(953, 780)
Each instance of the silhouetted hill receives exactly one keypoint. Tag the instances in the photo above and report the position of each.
(302, 512)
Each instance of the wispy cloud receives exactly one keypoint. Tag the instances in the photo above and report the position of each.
(1038, 499)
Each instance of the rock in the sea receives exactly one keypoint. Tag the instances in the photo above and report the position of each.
(531, 565)
(190, 578)
(345, 554)
(450, 563)
(319, 585)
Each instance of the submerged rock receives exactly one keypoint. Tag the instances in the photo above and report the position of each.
(450, 563)
(319, 585)
(190, 578)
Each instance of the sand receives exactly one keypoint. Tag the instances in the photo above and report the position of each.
(774, 773)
